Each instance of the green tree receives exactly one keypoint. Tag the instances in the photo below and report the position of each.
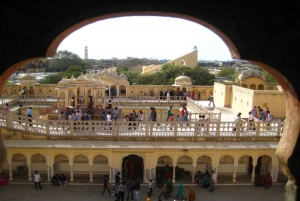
(122, 69)
(269, 78)
(63, 59)
(225, 72)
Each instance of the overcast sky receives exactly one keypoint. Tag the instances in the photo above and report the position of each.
(145, 37)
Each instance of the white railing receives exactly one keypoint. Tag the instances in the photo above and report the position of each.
(140, 129)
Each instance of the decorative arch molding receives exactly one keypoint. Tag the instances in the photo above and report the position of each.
(94, 154)
(83, 154)
(56, 153)
(188, 154)
(41, 153)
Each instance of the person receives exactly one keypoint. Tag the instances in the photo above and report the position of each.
(6, 108)
(20, 113)
(131, 170)
(269, 119)
(108, 118)
(148, 198)
(55, 180)
(117, 181)
(169, 113)
(29, 113)
(207, 173)
(193, 95)
(168, 96)
(237, 120)
(171, 119)
(140, 116)
(137, 187)
(199, 95)
(163, 192)
(206, 182)
(191, 194)
(170, 187)
(131, 118)
(109, 104)
(20, 95)
(130, 189)
(180, 191)
(158, 180)
(268, 181)
(116, 113)
(150, 187)
(37, 180)
(121, 192)
(186, 115)
(211, 99)
(262, 115)
(182, 112)
(153, 114)
(68, 112)
(106, 185)
(250, 119)
(63, 180)
(198, 177)
(213, 180)
(254, 112)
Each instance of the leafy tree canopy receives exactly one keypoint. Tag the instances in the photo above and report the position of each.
(63, 59)
(225, 72)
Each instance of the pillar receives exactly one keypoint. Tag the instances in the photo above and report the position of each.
(174, 174)
(193, 173)
(91, 172)
(253, 172)
(71, 173)
(234, 174)
(29, 172)
(10, 172)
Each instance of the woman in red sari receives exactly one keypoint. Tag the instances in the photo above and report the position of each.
(268, 181)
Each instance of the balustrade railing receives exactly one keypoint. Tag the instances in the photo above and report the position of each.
(141, 129)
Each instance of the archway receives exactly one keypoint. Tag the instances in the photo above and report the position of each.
(252, 86)
(100, 168)
(133, 167)
(19, 167)
(203, 164)
(81, 168)
(122, 90)
(263, 165)
(244, 169)
(225, 169)
(38, 163)
(61, 165)
(184, 168)
(164, 167)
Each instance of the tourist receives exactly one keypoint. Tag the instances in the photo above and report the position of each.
(213, 180)
(186, 116)
(250, 119)
(159, 181)
(63, 179)
(121, 191)
(211, 99)
(171, 119)
(137, 187)
(116, 113)
(130, 189)
(60, 118)
(198, 177)
(180, 191)
(193, 95)
(29, 113)
(150, 187)
(182, 112)
(117, 181)
(68, 112)
(132, 118)
(37, 180)
(140, 116)
(207, 174)
(237, 120)
(168, 96)
(169, 184)
(106, 185)
(109, 105)
(268, 181)
(163, 192)
(199, 95)
(6, 108)
(206, 182)
(169, 113)
(20, 113)
(191, 194)
(254, 112)
(262, 115)
(269, 119)
(108, 118)
(55, 180)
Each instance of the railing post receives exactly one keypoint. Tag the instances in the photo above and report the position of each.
(150, 129)
(117, 128)
(257, 128)
(175, 129)
(218, 128)
(47, 127)
(238, 128)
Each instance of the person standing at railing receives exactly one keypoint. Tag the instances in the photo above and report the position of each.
(199, 95)
(186, 115)
(251, 120)
(169, 113)
(20, 95)
(168, 96)
(6, 109)
(29, 113)
(269, 119)
(68, 112)
(20, 113)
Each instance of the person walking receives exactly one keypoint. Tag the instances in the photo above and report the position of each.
(191, 194)
(117, 181)
(106, 185)
(130, 189)
(20, 113)
(169, 113)
(29, 113)
(213, 180)
(37, 180)
(137, 187)
(180, 191)
(211, 99)
(150, 187)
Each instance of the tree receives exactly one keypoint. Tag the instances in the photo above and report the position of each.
(225, 72)
(63, 59)
(269, 78)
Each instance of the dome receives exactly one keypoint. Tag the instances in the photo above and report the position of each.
(72, 80)
(123, 76)
(27, 77)
(250, 73)
(62, 82)
(183, 80)
(81, 78)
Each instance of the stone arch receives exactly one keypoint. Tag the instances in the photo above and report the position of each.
(244, 168)
(263, 164)
(260, 87)
(81, 164)
(61, 163)
(100, 167)
(164, 162)
(252, 86)
(133, 166)
(225, 168)
(38, 163)
(286, 155)
(122, 90)
(18, 160)
(203, 163)
(184, 167)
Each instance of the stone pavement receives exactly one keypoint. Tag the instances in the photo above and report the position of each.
(89, 192)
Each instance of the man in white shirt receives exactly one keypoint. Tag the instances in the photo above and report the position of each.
(213, 180)
(37, 180)
(29, 113)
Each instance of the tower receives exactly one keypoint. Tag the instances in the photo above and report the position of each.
(85, 52)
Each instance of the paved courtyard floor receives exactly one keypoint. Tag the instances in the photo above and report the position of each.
(87, 192)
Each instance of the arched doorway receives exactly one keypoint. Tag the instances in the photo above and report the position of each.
(122, 90)
(203, 164)
(133, 167)
(38, 163)
(225, 169)
(81, 168)
(263, 165)
(19, 167)
(164, 167)
(244, 169)
(184, 168)
(61, 165)
(100, 168)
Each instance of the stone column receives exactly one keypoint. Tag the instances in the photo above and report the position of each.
(234, 174)
(91, 172)
(253, 172)
(10, 172)
(71, 173)
(193, 173)
(29, 172)
(173, 180)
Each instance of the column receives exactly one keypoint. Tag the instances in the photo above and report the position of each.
(71, 172)
(10, 172)
(29, 172)
(173, 180)
(91, 172)
(194, 167)
(234, 174)
(253, 172)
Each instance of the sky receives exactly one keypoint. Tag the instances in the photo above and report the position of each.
(145, 37)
